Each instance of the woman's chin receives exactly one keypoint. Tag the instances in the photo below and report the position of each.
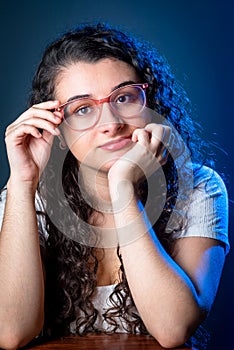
(107, 166)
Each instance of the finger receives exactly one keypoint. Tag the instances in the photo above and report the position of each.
(51, 104)
(40, 124)
(156, 130)
(22, 131)
(39, 112)
(160, 141)
(162, 135)
(48, 137)
(141, 136)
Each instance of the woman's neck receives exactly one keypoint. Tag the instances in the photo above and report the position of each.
(94, 188)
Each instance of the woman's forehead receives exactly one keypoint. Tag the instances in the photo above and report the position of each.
(96, 78)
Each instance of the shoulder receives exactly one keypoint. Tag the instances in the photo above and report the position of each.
(208, 178)
(210, 189)
(207, 213)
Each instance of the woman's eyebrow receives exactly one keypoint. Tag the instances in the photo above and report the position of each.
(123, 84)
(78, 96)
(115, 88)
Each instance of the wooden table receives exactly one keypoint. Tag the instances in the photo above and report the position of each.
(101, 342)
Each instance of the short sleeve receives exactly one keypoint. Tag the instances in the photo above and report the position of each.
(207, 214)
(40, 209)
(2, 204)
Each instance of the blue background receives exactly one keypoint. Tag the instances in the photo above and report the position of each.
(197, 39)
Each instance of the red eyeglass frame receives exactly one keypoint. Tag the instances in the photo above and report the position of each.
(102, 100)
(106, 99)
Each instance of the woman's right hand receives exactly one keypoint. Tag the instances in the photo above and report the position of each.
(29, 149)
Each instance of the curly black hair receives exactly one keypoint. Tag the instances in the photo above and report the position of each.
(71, 267)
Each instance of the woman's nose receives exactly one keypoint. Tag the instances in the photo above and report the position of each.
(109, 122)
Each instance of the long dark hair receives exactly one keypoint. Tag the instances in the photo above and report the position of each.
(70, 266)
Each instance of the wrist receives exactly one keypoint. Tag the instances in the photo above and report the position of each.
(122, 194)
(19, 187)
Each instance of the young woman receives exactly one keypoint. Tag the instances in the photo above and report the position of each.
(107, 166)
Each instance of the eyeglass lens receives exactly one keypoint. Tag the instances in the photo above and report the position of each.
(84, 113)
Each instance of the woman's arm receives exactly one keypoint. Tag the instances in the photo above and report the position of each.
(21, 277)
(21, 273)
(172, 294)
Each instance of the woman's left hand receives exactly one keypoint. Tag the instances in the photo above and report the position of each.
(148, 154)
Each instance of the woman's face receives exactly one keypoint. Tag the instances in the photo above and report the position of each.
(100, 146)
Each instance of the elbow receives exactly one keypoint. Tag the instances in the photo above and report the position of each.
(10, 342)
(171, 338)
(171, 341)
(175, 332)
(12, 339)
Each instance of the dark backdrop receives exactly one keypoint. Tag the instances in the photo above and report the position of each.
(197, 39)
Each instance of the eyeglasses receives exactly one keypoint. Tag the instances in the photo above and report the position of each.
(83, 113)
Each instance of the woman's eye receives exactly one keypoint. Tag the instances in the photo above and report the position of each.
(82, 111)
(124, 98)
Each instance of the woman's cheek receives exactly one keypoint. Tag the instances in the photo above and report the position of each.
(141, 121)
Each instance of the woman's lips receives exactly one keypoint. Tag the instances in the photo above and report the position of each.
(115, 145)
